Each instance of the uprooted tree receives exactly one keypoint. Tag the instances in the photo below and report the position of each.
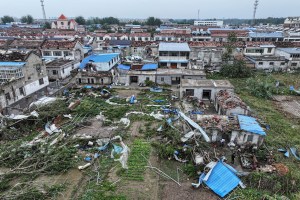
(236, 70)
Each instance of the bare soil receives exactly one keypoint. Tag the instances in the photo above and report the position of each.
(289, 105)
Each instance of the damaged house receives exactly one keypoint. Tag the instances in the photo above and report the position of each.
(228, 103)
(23, 76)
(98, 69)
(65, 49)
(60, 69)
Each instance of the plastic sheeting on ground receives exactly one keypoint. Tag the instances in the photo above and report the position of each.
(195, 125)
(43, 101)
(51, 128)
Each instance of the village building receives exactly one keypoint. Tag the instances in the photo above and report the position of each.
(25, 45)
(228, 103)
(292, 22)
(266, 36)
(23, 76)
(209, 23)
(60, 69)
(174, 55)
(203, 89)
(65, 49)
(98, 69)
(64, 23)
(269, 63)
(259, 49)
(292, 56)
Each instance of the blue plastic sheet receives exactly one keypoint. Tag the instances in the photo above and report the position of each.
(117, 149)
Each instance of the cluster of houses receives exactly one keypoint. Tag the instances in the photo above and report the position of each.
(175, 55)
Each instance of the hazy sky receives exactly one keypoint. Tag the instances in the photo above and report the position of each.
(176, 9)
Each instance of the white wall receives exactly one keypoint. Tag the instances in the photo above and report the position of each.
(35, 86)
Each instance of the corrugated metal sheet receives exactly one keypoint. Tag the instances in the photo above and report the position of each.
(222, 180)
(163, 46)
(98, 58)
(14, 64)
(123, 67)
(250, 124)
(149, 67)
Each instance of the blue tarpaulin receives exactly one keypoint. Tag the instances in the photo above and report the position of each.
(88, 87)
(14, 64)
(123, 67)
(149, 67)
(222, 180)
(250, 124)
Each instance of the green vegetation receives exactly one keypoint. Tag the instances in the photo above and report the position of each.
(138, 157)
(7, 19)
(152, 21)
(80, 20)
(27, 19)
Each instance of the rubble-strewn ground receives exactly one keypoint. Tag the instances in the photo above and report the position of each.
(41, 171)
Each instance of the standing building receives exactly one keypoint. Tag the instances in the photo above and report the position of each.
(59, 69)
(292, 55)
(64, 23)
(98, 69)
(66, 49)
(22, 77)
(174, 55)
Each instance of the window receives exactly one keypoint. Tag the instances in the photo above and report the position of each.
(54, 72)
(250, 138)
(38, 68)
(162, 79)
(47, 53)
(66, 53)
(7, 96)
(62, 23)
(57, 53)
(184, 64)
(189, 92)
(282, 63)
(21, 90)
(294, 64)
(41, 81)
(260, 63)
(271, 63)
(147, 78)
(269, 50)
(63, 70)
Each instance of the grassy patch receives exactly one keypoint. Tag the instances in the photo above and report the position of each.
(136, 162)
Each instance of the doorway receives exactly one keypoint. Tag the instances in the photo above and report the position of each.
(206, 94)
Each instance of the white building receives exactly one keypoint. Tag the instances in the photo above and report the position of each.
(64, 23)
(273, 63)
(259, 50)
(21, 78)
(174, 55)
(208, 23)
(65, 49)
(60, 69)
(203, 89)
(292, 55)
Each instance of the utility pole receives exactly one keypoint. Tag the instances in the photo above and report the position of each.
(198, 15)
(254, 12)
(43, 9)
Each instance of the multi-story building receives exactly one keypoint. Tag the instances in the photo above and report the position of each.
(98, 69)
(292, 22)
(66, 49)
(22, 77)
(292, 55)
(64, 23)
(174, 55)
(59, 69)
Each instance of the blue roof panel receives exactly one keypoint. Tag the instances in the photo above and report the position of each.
(250, 124)
(14, 64)
(149, 67)
(222, 180)
(123, 67)
(98, 58)
(266, 35)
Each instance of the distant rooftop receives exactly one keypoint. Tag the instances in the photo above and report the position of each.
(98, 58)
(206, 83)
(163, 46)
(266, 35)
(290, 50)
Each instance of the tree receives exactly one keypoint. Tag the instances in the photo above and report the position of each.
(135, 22)
(152, 21)
(7, 19)
(236, 70)
(80, 20)
(109, 20)
(229, 46)
(47, 25)
(27, 19)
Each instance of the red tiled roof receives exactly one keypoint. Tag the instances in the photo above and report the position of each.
(62, 17)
